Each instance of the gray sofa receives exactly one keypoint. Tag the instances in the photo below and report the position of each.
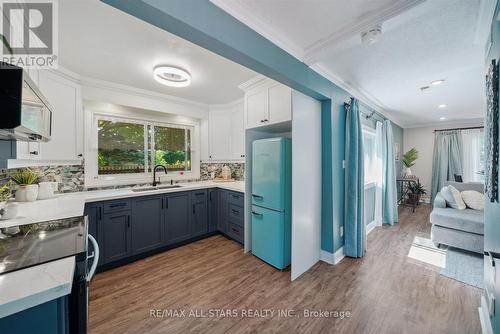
(462, 229)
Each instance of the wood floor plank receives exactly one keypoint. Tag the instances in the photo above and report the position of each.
(385, 292)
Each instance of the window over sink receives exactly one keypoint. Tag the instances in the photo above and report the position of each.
(124, 150)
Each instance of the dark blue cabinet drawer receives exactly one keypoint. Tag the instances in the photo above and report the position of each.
(236, 213)
(235, 198)
(116, 206)
(235, 231)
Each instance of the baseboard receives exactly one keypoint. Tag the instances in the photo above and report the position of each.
(332, 258)
(371, 226)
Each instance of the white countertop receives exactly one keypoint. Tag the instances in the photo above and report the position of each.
(32, 286)
(23, 289)
(72, 204)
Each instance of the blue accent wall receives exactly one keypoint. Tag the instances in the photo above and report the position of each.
(204, 24)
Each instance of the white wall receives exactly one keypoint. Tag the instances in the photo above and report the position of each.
(423, 140)
(306, 183)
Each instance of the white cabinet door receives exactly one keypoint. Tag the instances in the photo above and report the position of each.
(257, 108)
(237, 134)
(67, 124)
(28, 150)
(280, 104)
(220, 129)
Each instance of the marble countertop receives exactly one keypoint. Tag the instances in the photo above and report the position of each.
(73, 204)
(22, 289)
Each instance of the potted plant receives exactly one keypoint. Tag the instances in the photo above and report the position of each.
(416, 190)
(5, 195)
(27, 188)
(409, 159)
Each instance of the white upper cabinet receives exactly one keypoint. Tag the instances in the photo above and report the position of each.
(267, 102)
(280, 104)
(257, 106)
(64, 95)
(227, 132)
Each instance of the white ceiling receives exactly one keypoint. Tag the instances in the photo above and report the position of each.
(422, 41)
(101, 42)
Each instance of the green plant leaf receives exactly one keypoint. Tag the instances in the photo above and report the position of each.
(410, 157)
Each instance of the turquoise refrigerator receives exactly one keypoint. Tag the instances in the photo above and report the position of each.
(272, 200)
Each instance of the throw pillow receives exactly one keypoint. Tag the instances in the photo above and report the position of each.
(458, 198)
(473, 199)
(448, 197)
(451, 199)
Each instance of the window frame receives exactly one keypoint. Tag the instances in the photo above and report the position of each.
(366, 130)
(92, 177)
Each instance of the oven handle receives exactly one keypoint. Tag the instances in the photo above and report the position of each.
(95, 257)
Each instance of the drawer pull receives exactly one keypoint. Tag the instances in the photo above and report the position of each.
(235, 211)
(257, 214)
(257, 196)
(235, 230)
(236, 196)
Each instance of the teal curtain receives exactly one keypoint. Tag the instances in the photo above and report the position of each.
(447, 159)
(355, 235)
(389, 191)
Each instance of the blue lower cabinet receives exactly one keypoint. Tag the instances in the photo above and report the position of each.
(127, 228)
(47, 318)
(117, 236)
(213, 209)
(94, 213)
(147, 223)
(177, 213)
(199, 214)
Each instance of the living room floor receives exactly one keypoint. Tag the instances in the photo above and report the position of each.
(385, 292)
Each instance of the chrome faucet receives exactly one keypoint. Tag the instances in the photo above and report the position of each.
(154, 173)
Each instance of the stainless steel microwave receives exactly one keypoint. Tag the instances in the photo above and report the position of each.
(25, 113)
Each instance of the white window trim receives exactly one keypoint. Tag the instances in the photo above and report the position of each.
(372, 132)
(93, 179)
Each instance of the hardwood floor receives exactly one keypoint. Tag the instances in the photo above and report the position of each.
(385, 292)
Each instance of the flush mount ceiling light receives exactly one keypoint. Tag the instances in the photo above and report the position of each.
(437, 82)
(171, 76)
(442, 118)
(441, 106)
(371, 36)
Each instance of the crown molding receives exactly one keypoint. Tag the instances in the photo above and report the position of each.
(240, 11)
(442, 125)
(357, 93)
(319, 49)
(101, 84)
(226, 105)
(485, 17)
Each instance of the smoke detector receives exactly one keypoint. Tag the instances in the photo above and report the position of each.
(371, 36)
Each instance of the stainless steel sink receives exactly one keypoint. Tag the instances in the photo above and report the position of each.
(137, 190)
(169, 186)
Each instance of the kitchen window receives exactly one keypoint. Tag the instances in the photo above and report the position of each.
(370, 155)
(126, 150)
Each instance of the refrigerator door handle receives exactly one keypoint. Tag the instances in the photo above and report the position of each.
(95, 256)
(257, 196)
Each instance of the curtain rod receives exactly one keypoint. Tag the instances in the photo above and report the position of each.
(367, 116)
(467, 128)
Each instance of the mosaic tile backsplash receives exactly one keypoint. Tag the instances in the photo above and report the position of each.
(72, 179)
(237, 170)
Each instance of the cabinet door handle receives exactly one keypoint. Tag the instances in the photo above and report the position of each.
(34, 152)
(194, 208)
(166, 203)
(210, 196)
(162, 206)
(100, 213)
(128, 221)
